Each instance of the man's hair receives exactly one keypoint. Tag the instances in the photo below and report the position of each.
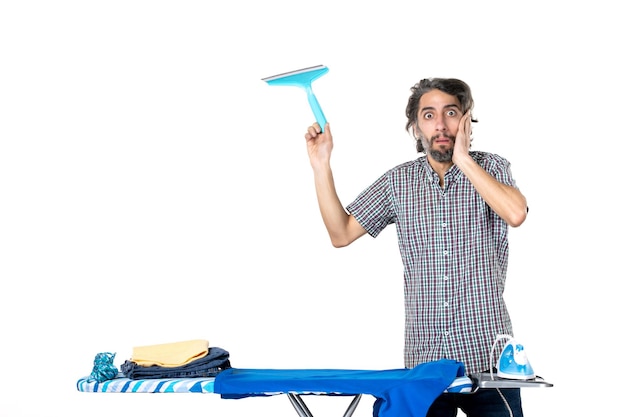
(451, 86)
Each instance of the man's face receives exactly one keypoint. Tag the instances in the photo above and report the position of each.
(438, 120)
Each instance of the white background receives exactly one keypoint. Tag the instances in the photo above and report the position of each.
(153, 189)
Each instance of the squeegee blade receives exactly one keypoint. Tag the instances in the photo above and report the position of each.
(299, 71)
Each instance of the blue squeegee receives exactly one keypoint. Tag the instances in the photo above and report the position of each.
(303, 78)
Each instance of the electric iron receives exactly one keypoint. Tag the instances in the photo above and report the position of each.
(513, 363)
(303, 78)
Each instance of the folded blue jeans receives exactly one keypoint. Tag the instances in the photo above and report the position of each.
(210, 365)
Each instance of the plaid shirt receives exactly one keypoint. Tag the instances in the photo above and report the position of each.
(455, 254)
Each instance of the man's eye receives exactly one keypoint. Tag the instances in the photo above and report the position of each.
(451, 113)
(428, 116)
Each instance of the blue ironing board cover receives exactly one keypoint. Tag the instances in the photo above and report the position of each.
(126, 385)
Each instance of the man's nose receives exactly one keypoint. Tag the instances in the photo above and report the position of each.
(441, 125)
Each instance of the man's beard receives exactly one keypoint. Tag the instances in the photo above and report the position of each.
(439, 156)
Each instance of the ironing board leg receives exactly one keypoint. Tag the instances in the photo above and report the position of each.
(303, 411)
(299, 405)
(352, 406)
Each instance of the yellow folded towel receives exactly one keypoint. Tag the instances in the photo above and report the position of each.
(170, 354)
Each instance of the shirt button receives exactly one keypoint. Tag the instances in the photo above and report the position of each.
(444, 224)
(445, 252)
(445, 304)
(445, 277)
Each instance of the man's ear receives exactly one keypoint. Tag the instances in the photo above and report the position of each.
(416, 131)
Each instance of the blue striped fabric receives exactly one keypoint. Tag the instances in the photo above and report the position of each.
(121, 384)
(462, 384)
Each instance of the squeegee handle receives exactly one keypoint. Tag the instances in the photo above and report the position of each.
(317, 110)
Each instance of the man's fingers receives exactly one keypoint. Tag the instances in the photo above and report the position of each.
(312, 131)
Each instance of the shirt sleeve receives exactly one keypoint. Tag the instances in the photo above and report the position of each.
(373, 207)
(499, 168)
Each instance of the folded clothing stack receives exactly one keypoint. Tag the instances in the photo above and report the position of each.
(188, 359)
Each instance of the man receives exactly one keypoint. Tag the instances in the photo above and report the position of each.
(452, 209)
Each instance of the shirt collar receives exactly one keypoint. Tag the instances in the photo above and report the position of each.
(450, 176)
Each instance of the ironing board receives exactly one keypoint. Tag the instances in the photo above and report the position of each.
(423, 384)
(417, 387)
